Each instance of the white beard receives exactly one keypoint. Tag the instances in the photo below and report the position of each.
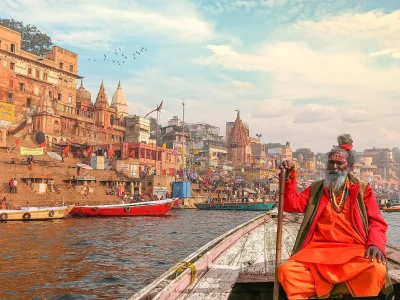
(335, 179)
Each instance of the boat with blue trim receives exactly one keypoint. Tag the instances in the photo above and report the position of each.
(251, 206)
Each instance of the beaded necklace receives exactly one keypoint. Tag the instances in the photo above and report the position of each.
(338, 207)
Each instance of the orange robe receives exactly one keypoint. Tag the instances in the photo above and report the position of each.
(335, 254)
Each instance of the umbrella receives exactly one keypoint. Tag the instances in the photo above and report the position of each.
(54, 155)
(84, 166)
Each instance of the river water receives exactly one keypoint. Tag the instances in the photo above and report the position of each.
(109, 258)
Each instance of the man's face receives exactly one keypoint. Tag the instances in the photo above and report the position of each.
(337, 161)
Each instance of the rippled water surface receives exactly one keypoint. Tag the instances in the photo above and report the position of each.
(108, 258)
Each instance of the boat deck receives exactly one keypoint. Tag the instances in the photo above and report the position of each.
(244, 255)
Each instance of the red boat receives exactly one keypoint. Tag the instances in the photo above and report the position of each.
(150, 208)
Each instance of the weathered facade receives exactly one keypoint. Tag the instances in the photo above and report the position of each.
(206, 142)
(137, 130)
(42, 96)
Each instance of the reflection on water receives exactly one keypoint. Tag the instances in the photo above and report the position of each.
(108, 258)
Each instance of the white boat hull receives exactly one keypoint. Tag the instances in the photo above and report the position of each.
(35, 213)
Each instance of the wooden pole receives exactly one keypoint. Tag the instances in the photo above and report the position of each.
(279, 232)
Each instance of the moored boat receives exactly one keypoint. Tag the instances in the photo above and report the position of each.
(239, 264)
(391, 209)
(149, 208)
(251, 206)
(35, 213)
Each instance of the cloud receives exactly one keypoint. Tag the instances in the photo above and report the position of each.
(355, 116)
(112, 21)
(272, 108)
(218, 7)
(394, 53)
(294, 61)
(314, 113)
(273, 3)
(357, 26)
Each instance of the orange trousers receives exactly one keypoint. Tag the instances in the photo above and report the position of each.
(301, 280)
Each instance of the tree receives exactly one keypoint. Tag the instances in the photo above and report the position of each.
(32, 39)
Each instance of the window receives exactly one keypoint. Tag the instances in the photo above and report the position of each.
(11, 83)
(44, 76)
(28, 102)
(21, 87)
(51, 95)
(69, 99)
(65, 82)
(29, 71)
(37, 74)
(12, 66)
(12, 47)
(10, 97)
(0, 44)
(71, 68)
(61, 65)
(59, 96)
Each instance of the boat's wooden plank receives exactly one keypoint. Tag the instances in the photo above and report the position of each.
(216, 284)
(393, 254)
(181, 284)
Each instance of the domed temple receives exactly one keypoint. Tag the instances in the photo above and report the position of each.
(119, 102)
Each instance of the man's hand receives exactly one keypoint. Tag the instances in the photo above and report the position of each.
(287, 164)
(374, 252)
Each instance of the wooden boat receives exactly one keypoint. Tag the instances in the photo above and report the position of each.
(239, 264)
(391, 209)
(149, 208)
(251, 206)
(35, 213)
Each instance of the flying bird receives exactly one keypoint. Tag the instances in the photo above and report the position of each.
(105, 56)
(119, 49)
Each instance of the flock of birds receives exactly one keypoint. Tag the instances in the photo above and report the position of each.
(118, 60)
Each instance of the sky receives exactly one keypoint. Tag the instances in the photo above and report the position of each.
(302, 71)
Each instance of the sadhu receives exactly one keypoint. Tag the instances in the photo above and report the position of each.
(340, 248)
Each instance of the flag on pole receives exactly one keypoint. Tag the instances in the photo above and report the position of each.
(17, 141)
(66, 149)
(159, 107)
(132, 153)
(164, 145)
(182, 149)
(196, 151)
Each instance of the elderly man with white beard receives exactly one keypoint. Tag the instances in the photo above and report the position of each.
(340, 247)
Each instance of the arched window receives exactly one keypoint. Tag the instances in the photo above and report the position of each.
(112, 120)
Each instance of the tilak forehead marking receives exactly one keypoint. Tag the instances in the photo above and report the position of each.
(338, 156)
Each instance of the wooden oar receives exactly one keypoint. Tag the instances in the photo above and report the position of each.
(279, 232)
